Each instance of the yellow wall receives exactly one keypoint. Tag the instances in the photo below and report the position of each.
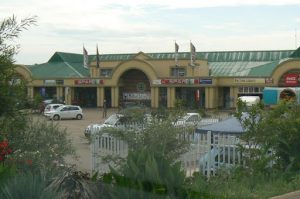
(160, 69)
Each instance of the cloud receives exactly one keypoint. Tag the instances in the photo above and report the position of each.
(129, 26)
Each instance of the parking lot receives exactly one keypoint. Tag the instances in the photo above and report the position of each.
(75, 130)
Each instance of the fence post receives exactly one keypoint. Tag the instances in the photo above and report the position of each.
(209, 153)
(93, 144)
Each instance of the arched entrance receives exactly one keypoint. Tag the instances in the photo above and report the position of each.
(134, 88)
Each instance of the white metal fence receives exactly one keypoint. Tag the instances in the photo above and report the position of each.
(208, 153)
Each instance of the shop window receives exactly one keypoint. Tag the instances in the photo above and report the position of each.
(178, 72)
(106, 72)
(251, 89)
(261, 89)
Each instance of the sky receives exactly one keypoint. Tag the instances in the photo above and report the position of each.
(131, 26)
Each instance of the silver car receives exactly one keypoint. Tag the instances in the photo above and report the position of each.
(190, 119)
(65, 112)
(113, 121)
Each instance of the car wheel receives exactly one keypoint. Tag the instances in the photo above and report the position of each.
(56, 117)
(78, 117)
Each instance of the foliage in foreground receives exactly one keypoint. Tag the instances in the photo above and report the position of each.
(145, 176)
(240, 184)
(27, 185)
(44, 143)
(272, 138)
(12, 94)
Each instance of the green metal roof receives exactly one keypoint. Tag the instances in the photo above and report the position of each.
(222, 63)
(263, 70)
(245, 63)
(295, 54)
(58, 70)
(66, 57)
(233, 68)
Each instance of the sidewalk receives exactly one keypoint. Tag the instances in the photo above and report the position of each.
(292, 195)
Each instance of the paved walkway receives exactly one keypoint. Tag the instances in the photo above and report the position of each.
(292, 195)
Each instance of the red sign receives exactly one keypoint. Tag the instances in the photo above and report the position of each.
(179, 81)
(88, 81)
(269, 80)
(291, 79)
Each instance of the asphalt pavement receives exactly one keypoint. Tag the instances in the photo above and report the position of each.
(75, 131)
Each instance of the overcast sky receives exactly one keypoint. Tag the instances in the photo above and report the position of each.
(153, 26)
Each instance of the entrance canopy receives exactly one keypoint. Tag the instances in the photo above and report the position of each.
(231, 126)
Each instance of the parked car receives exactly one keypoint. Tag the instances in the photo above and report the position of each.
(190, 119)
(116, 120)
(51, 107)
(111, 121)
(46, 102)
(65, 112)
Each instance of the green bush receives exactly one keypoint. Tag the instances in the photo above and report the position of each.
(27, 185)
(40, 145)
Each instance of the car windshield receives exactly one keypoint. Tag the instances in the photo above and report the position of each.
(112, 120)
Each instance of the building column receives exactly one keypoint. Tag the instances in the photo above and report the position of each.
(211, 100)
(115, 97)
(30, 92)
(69, 94)
(59, 93)
(233, 96)
(100, 96)
(154, 97)
(171, 97)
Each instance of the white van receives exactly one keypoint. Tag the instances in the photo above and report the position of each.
(250, 100)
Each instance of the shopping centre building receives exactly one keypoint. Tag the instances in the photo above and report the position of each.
(215, 80)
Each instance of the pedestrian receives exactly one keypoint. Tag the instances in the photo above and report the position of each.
(104, 109)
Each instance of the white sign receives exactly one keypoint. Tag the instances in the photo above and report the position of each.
(137, 96)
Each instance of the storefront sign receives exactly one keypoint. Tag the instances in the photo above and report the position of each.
(177, 81)
(291, 79)
(52, 82)
(141, 87)
(269, 80)
(49, 82)
(88, 81)
(174, 81)
(156, 82)
(249, 80)
(205, 81)
(137, 96)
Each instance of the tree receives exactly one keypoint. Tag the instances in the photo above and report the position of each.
(34, 144)
(272, 137)
(281, 128)
(10, 93)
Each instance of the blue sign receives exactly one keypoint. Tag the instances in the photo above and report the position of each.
(205, 81)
